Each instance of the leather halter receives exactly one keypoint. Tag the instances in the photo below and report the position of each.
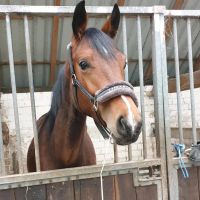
(109, 92)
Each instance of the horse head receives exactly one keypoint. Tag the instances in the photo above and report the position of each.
(97, 73)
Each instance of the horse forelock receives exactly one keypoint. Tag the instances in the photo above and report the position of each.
(100, 42)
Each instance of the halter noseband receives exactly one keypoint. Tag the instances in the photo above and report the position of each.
(109, 92)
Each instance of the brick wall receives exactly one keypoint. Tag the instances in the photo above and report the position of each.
(186, 109)
(42, 106)
(186, 117)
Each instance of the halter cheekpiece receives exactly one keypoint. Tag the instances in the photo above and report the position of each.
(105, 94)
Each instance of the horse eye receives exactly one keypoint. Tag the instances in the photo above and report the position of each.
(83, 64)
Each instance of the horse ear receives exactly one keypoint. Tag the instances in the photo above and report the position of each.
(79, 21)
(111, 25)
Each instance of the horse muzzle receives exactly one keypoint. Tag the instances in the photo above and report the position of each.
(123, 130)
(127, 133)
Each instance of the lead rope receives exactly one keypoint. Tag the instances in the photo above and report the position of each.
(103, 164)
(179, 151)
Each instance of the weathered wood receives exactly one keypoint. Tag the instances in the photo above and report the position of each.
(196, 64)
(118, 187)
(7, 195)
(124, 187)
(169, 23)
(188, 187)
(21, 193)
(168, 30)
(109, 188)
(147, 192)
(90, 189)
(31, 193)
(16, 17)
(120, 2)
(77, 190)
(54, 45)
(184, 82)
(72, 173)
(61, 191)
(36, 192)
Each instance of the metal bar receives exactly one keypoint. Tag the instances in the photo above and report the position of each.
(69, 10)
(192, 100)
(2, 160)
(171, 172)
(178, 90)
(141, 75)
(125, 50)
(14, 94)
(64, 10)
(31, 87)
(120, 2)
(75, 173)
(125, 45)
(130, 154)
(159, 56)
(182, 13)
(115, 149)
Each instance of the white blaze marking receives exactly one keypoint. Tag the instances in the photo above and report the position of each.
(130, 115)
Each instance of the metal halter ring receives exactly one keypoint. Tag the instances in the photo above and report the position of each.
(73, 78)
(95, 105)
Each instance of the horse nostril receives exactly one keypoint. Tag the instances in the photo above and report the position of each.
(123, 126)
(122, 123)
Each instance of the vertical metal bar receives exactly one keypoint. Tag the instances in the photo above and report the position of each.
(116, 158)
(125, 50)
(141, 74)
(115, 150)
(171, 171)
(189, 40)
(159, 61)
(2, 160)
(178, 91)
(31, 87)
(14, 93)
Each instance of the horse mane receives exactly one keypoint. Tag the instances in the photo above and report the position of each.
(57, 99)
(100, 42)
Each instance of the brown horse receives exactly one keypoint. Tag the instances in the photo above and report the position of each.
(91, 84)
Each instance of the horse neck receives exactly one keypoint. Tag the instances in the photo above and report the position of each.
(70, 125)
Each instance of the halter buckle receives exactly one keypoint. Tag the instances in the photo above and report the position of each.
(95, 105)
(73, 79)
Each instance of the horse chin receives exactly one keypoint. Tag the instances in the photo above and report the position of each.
(123, 140)
(126, 137)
